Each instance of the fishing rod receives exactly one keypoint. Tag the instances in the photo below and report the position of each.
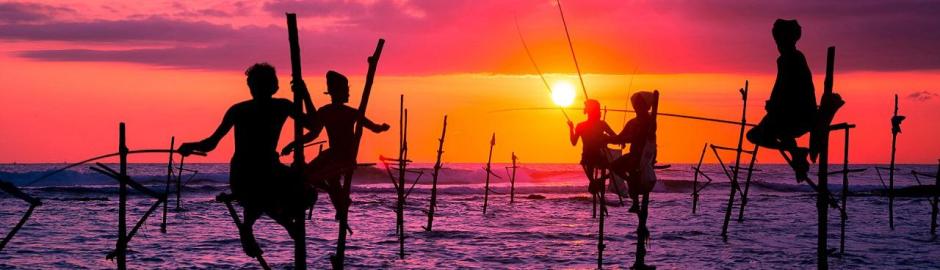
(675, 115)
(142, 151)
(536, 66)
(571, 47)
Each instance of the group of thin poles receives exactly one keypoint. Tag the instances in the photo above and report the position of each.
(399, 182)
(733, 175)
(125, 181)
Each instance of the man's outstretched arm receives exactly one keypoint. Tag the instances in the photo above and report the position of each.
(210, 143)
(372, 125)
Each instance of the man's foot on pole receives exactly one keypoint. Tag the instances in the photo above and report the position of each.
(249, 244)
(800, 164)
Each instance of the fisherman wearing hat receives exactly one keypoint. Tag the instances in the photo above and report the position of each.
(339, 120)
(791, 109)
(638, 132)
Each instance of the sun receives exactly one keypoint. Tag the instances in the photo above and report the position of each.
(563, 93)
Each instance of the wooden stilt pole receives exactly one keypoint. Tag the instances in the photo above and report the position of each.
(934, 208)
(179, 184)
(599, 175)
(121, 247)
(894, 140)
(169, 177)
(33, 203)
(822, 194)
(697, 171)
(437, 169)
(737, 163)
(402, 166)
(337, 260)
(843, 217)
(747, 184)
(512, 180)
(299, 226)
(227, 199)
(486, 188)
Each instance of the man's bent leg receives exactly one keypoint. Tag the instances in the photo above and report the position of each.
(246, 232)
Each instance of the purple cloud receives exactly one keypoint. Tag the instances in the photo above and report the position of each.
(921, 96)
(466, 36)
(20, 12)
(150, 29)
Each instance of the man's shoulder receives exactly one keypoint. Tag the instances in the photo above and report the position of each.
(338, 108)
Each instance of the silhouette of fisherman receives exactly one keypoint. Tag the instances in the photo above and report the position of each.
(791, 109)
(258, 180)
(638, 132)
(594, 134)
(339, 120)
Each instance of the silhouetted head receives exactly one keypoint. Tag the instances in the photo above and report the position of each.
(641, 101)
(593, 109)
(262, 80)
(786, 33)
(337, 86)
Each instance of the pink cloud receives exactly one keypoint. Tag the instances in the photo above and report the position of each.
(434, 37)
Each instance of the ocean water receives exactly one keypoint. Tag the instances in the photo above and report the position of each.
(76, 226)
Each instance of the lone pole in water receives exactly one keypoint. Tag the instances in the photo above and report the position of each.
(402, 166)
(298, 226)
(934, 206)
(122, 205)
(437, 169)
(895, 129)
(747, 183)
(737, 163)
(695, 194)
(169, 177)
(512, 179)
(179, 183)
(486, 188)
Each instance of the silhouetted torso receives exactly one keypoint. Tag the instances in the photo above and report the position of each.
(636, 132)
(258, 125)
(594, 136)
(793, 96)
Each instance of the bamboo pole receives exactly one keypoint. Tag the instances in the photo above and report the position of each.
(489, 160)
(747, 184)
(894, 140)
(179, 184)
(737, 163)
(337, 260)
(227, 199)
(598, 175)
(402, 166)
(169, 177)
(845, 191)
(697, 171)
(121, 247)
(935, 209)
(298, 226)
(33, 203)
(822, 194)
(512, 180)
(437, 168)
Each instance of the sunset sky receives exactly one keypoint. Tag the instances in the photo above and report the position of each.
(72, 70)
